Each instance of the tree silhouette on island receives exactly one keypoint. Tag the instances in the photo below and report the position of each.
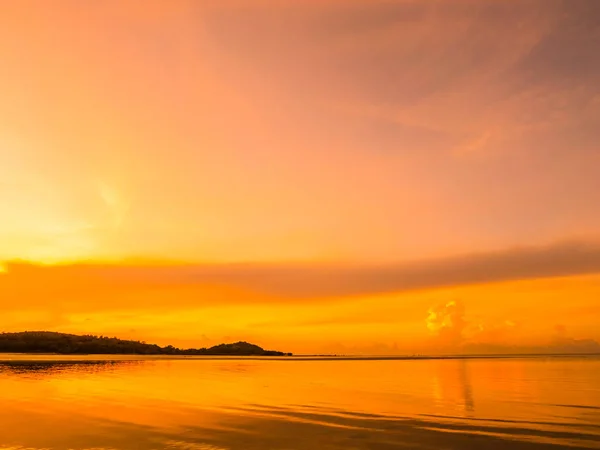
(71, 344)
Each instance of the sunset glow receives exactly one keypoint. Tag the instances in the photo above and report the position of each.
(359, 176)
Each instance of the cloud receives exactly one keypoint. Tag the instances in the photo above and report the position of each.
(563, 343)
(447, 322)
(196, 285)
(453, 328)
(457, 332)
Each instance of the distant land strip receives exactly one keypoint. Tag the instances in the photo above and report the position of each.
(72, 344)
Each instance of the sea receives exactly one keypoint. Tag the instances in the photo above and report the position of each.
(220, 403)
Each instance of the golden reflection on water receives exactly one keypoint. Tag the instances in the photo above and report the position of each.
(250, 403)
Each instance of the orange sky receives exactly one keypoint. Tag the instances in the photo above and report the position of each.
(315, 176)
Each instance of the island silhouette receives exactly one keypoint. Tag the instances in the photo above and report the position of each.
(72, 344)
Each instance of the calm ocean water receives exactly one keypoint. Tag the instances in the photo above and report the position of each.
(214, 404)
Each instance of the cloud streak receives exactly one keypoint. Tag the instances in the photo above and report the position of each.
(254, 282)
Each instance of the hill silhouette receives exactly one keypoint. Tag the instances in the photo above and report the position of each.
(72, 344)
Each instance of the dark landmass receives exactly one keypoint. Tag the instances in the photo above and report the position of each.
(71, 344)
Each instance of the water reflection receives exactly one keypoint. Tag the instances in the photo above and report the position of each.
(241, 404)
(465, 379)
(452, 387)
(52, 368)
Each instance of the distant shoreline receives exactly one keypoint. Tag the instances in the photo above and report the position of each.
(66, 358)
(48, 344)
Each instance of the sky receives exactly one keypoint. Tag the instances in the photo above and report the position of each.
(350, 176)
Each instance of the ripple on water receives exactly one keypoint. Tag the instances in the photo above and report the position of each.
(261, 404)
